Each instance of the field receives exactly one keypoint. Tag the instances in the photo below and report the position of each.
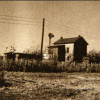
(51, 86)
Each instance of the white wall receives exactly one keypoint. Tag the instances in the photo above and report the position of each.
(71, 51)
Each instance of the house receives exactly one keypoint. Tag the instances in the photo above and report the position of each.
(68, 49)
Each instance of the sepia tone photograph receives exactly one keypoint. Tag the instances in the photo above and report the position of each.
(49, 50)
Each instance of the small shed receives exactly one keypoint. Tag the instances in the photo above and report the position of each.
(16, 56)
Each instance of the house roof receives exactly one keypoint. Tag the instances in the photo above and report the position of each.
(68, 40)
(12, 53)
(55, 46)
(15, 53)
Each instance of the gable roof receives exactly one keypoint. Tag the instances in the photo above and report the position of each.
(68, 40)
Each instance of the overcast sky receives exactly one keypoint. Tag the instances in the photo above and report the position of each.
(21, 22)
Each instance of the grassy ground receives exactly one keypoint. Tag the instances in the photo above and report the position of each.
(51, 86)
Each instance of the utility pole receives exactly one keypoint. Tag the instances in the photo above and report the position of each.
(42, 38)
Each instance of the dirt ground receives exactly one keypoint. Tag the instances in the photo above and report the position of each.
(51, 86)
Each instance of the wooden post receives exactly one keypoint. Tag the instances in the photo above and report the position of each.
(5, 57)
(49, 42)
(42, 38)
(16, 57)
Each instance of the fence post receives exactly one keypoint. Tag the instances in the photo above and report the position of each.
(5, 58)
(16, 57)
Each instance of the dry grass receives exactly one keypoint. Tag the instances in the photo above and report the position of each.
(51, 86)
(49, 66)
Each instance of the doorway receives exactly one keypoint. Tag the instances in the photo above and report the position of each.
(61, 53)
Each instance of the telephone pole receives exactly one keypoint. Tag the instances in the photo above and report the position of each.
(42, 38)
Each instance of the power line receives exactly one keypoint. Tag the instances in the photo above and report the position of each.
(52, 23)
(19, 20)
(18, 23)
(59, 25)
(62, 31)
(17, 17)
(57, 28)
(72, 31)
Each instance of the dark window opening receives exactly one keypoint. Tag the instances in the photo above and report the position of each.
(67, 50)
(61, 53)
(68, 58)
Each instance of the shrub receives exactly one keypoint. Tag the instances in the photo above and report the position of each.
(48, 66)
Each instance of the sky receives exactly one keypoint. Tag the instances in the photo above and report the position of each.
(21, 23)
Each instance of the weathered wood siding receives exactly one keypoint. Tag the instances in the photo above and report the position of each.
(53, 53)
(69, 55)
(80, 50)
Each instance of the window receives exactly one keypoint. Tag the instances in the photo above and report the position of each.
(68, 58)
(67, 50)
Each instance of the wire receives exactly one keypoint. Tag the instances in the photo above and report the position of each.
(56, 28)
(19, 20)
(18, 17)
(17, 23)
(72, 31)
(63, 27)
(59, 26)
(68, 32)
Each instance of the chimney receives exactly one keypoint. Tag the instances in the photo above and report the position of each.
(61, 38)
(79, 36)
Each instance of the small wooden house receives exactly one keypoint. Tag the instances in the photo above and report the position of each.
(68, 49)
